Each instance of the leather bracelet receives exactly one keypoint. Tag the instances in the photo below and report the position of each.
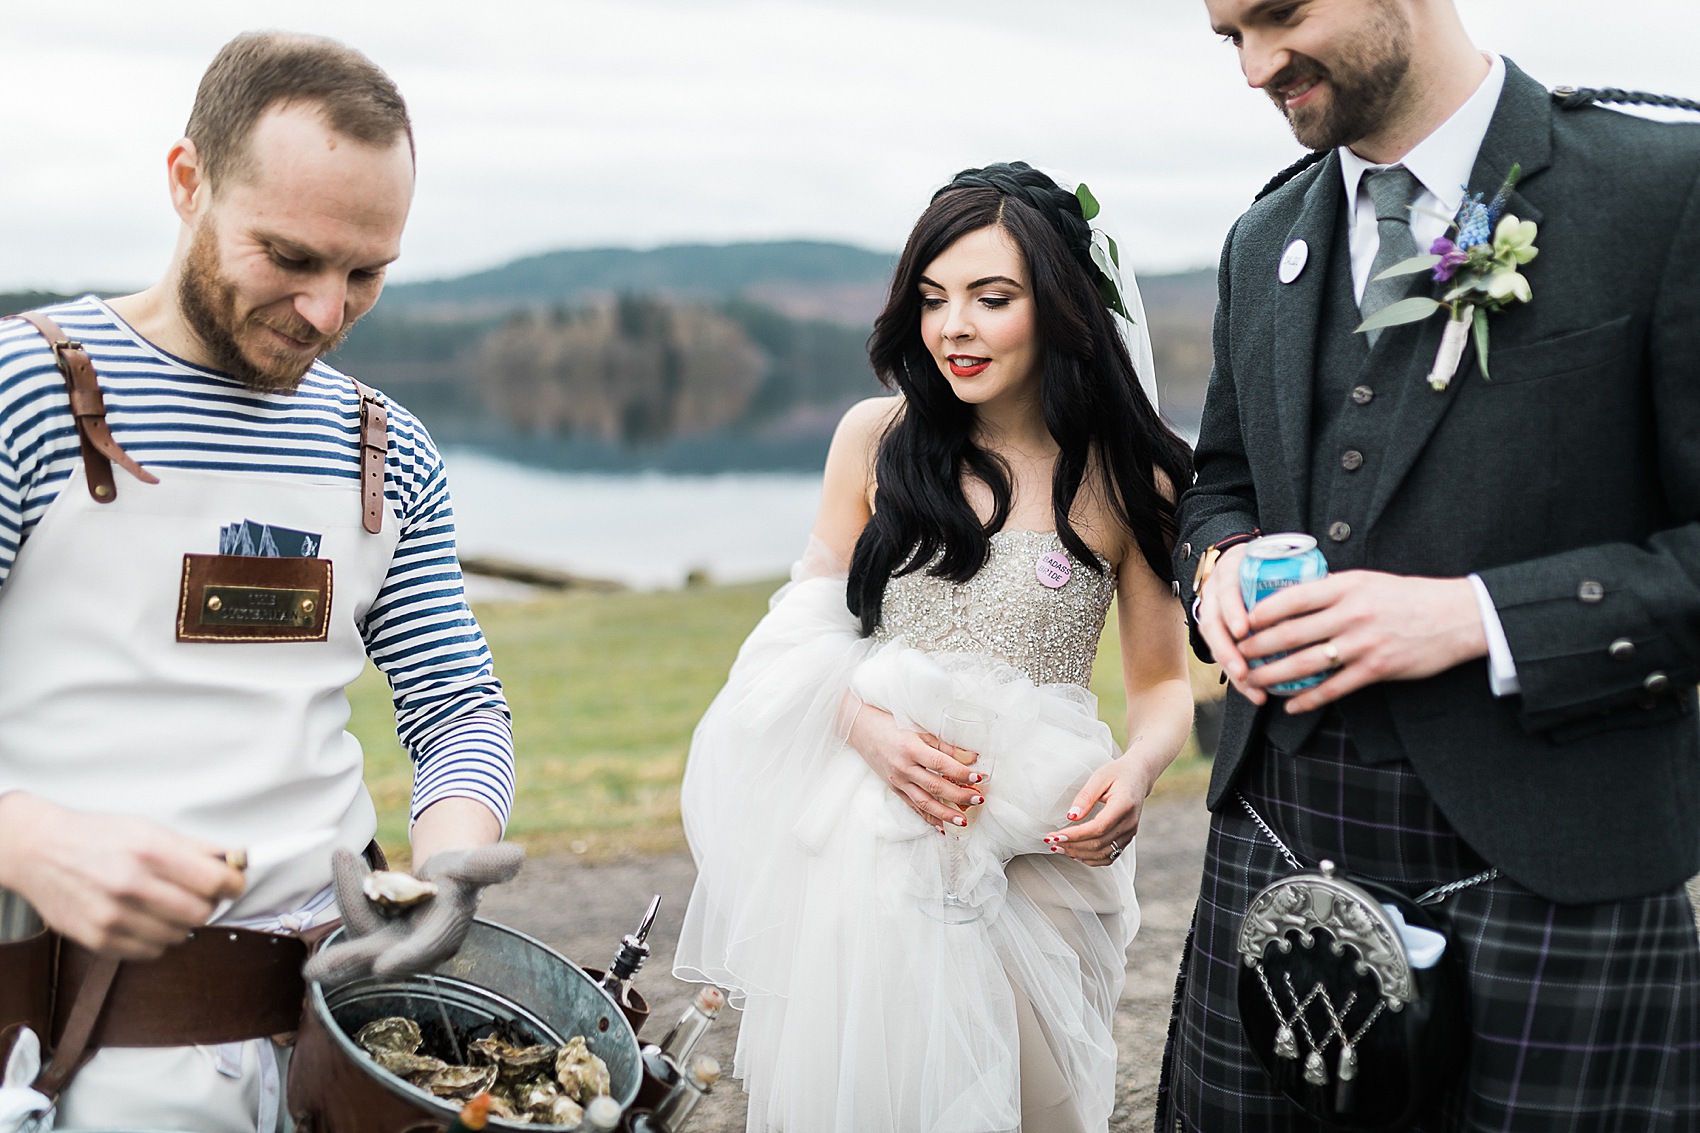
(1207, 561)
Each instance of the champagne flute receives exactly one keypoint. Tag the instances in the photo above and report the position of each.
(966, 730)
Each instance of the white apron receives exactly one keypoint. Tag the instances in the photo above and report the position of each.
(102, 709)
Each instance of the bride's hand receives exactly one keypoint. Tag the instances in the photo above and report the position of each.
(1121, 786)
(934, 783)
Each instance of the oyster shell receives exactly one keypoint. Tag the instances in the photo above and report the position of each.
(499, 1107)
(538, 1098)
(458, 1081)
(581, 1074)
(392, 890)
(514, 1064)
(404, 1064)
(392, 1033)
(566, 1112)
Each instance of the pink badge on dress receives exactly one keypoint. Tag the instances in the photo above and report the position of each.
(1053, 569)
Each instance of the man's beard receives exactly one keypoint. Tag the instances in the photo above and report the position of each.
(208, 301)
(1363, 85)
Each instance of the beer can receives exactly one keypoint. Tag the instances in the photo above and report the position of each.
(1272, 564)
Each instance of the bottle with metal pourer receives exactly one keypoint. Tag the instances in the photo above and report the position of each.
(634, 950)
(671, 1113)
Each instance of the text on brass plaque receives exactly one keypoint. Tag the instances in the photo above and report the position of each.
(270, 606)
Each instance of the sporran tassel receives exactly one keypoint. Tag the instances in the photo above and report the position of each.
(1315, 1072)
(1348, 1062)
(1286, 1043)
(1348, 1072)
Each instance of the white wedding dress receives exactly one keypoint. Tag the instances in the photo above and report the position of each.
(861, 1013)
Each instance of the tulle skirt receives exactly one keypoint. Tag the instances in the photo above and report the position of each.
(860, 1010)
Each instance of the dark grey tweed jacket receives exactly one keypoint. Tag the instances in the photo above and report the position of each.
(1570, 482)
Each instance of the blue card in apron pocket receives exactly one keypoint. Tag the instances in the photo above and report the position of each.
(267, 541)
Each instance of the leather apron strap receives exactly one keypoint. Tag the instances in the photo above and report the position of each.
(374, 446)
(73, 1048)
(88, 407)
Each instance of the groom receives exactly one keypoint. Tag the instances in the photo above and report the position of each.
(1512, 619)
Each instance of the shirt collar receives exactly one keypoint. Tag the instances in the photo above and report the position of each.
(1444, 160)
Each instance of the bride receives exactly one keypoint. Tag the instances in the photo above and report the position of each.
(973, 529)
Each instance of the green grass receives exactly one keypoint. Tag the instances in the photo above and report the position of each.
(606, 690)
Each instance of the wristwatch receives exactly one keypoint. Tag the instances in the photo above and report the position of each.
(1207, 561)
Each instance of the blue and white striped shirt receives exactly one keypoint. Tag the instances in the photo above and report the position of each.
(450, 712)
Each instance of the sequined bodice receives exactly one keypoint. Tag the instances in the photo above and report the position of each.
(1006, 611)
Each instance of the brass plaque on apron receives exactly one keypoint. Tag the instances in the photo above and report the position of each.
(245, 598)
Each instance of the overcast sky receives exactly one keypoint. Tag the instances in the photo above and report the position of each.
(572, 123)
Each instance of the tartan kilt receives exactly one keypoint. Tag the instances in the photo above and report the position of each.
(1583, 1017)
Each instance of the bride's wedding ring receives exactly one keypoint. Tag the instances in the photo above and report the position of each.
(1115, 850)
(1331, 653)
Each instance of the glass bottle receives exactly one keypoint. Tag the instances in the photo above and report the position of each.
(691, 1025)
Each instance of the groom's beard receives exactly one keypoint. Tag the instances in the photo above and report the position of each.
(1361, 86)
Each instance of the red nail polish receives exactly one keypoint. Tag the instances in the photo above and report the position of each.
(1073, 815)
(960, 821)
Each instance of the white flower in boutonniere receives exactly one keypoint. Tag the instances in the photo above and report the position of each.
(1480, 264)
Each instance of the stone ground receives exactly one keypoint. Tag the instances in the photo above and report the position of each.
(583, 908)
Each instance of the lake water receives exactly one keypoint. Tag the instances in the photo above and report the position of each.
(647, 530)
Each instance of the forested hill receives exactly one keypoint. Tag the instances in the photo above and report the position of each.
(813, 274)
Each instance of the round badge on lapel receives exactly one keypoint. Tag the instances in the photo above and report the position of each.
(1293, 261)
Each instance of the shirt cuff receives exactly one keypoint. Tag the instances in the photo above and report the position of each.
(1502, 669)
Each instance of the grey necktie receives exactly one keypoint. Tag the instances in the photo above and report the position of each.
(1393, 191)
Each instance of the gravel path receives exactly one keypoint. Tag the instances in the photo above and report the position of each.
(583, 909)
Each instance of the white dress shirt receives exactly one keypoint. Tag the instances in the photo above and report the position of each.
(1442, 164)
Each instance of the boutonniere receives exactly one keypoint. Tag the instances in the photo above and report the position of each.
(1479, 257)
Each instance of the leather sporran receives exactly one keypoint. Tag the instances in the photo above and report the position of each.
(1354, 1027)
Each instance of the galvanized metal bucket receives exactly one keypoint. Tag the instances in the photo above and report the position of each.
(498, 975)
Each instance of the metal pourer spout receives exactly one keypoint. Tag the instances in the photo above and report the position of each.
(634, 949)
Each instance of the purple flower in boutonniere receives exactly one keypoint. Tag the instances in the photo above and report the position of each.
(1452, 257)
(1480, 264)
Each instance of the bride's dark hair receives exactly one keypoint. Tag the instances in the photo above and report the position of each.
(1089, 396)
